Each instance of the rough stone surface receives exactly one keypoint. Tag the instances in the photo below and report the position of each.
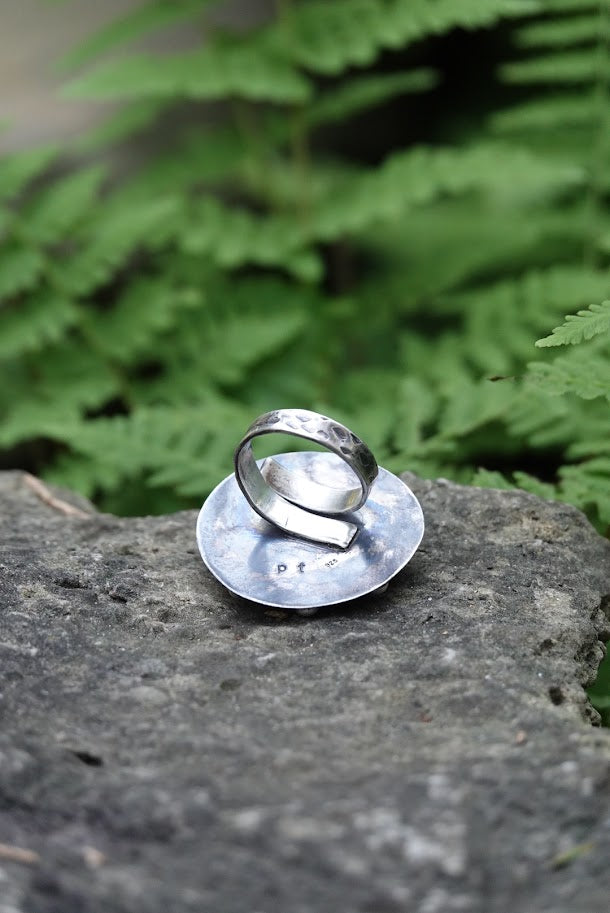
(165, 747)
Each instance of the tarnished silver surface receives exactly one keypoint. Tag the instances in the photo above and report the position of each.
(258, 561)
(278, 494)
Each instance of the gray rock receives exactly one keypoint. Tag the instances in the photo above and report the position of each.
(166, 747)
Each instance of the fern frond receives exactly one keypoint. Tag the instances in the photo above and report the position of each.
(188, 447)
(471, 404)
(541, 420)
(48, 217)
(321, 37)
(41, 318)
(547, 112)
(420, 175)
(233, 237)
(558, 32)
(580, 326)
(445, 250)
(147, 18)
(226, 338)
(590, 447)
(363, 92)
(147, 308)
(500, 319)
(486, 478)
(353, 203)
(587, 485)
(328, 38)
(110, 241)
(569, 6)
(536, 486)
(490, 478)
(568, 67)
(36, 418)
(128, 121)
(77, 377)
(212, 73)
(70, 379)
(587, 375)
(230, 357)
(20, 268)
(416, 407)
(17, 170)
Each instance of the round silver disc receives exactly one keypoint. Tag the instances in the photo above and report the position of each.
(258, 561)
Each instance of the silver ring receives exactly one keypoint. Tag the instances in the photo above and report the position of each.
(292, 501)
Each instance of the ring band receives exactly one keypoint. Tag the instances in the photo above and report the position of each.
(294, 502)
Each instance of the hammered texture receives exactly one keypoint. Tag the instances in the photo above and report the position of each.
(322, 430)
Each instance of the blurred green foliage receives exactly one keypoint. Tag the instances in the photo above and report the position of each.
(247, 261)
(243, 256)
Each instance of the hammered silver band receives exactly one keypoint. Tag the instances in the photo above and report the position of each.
(294, 502)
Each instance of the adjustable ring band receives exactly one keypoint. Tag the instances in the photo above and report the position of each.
(280, 496)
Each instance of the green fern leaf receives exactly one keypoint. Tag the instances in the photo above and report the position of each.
(361, 93)
(114, 239)
(491, 478)
(59, 207)
(586, 376)
(352, 203)
(20, 269)
(150, 17)
(212, 73)
(458, 240)
(587, 485)
(36, 418)
(77, 377)
(569, 6)
(534, 485)
(541, 418)
(330, 37)
(590, 447)
(500, 319)
(233, 237)
(42, 318)
(231, 357)
(471, 405)
(17, 170)
(580, 326)
(86, 475)
(571, 66)
(70, 379)
(557, 32)
(420, 176)
(229, 335)
(189, 446)
(147, 308)
(486, 478)
(416, 407)
(548, 112)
